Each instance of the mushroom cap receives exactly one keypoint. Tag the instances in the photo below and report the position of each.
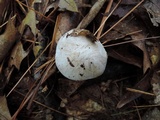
(79, 56)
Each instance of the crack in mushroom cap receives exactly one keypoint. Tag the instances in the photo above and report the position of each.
(79, 57)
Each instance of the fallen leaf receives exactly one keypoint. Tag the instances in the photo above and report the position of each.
(151, 114)
(65, 21)
(154, 52)
(124, 29)
(36, 49)
(17, 55)
(7, 39)
(122, 53)
(4, 112)
(125, 7)
(141, 45)
(67, 87)
(68, 5)
(53, 4)
(143, 85)
(78, 106)
(153, 10)
(31, 16)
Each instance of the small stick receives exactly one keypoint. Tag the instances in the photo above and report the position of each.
(91, 15)
(140, 91)
(122, 18)
(99, 30)
(104, 19)
(19, 2)
(132, 41)
(27, 71)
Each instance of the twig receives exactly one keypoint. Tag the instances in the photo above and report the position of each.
(35, 11)
(122, 18)
(132, 41)
(139, 91)
(91, 15)
(104, 19)
(27, 71)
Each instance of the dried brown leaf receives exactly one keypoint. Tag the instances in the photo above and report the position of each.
(129, 26)
(4, 112)
(7, 39)
(68, 5)
(153, 10)
(18, 54)
(67, 87)
(124, 55)
(78, 105)
(29, 20)
(53, 4)
(143, 85)
(154, 52)
(65, 21)
(141, 45)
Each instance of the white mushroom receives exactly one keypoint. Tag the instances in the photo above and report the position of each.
(79, 56)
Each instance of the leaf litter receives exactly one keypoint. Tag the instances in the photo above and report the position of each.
(32, 87)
